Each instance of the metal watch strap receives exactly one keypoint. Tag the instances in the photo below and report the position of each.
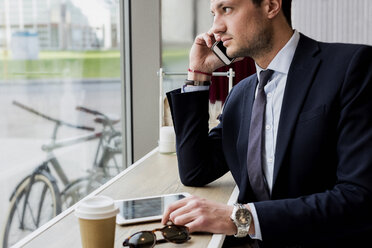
(197, 83)
(242, 230)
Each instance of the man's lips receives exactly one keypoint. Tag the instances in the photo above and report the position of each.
(226, 41)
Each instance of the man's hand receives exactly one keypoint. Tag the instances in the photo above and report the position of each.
(202, 58)
(201, 215)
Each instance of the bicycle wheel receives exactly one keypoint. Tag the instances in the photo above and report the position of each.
(30, 207)
(112, 158)
(75, 191)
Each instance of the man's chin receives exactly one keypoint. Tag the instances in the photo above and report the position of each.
(231, 54)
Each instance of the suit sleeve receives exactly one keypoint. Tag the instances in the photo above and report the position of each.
(199, 153)
(345, 209)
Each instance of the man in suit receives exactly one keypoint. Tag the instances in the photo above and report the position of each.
(314, 185)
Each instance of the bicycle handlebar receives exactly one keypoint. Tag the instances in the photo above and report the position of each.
(89, 111)
(50, 118)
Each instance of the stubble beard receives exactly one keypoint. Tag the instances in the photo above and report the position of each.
(258, 46)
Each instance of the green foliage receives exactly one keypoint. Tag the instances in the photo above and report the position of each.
(63, 64)
(176, 59)
(80, 64)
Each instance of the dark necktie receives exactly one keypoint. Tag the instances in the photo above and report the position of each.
(255, 144)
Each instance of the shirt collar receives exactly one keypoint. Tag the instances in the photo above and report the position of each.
(282, 61)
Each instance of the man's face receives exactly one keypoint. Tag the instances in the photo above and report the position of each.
(242, 26)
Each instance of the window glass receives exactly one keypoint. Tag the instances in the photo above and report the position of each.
(181, 22)
(61, 105)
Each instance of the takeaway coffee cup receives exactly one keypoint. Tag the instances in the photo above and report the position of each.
(97, 217)
(167, 140)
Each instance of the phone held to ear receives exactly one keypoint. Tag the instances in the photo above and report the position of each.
(220, 51)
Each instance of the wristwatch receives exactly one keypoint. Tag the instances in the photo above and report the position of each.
(197, 83)
(242, 218)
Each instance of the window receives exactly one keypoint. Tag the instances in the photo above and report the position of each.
(182, 21)
(62, 106)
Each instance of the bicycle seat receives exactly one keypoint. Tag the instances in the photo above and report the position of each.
(110, 120)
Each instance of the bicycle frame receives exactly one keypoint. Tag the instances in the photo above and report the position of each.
(106, 149)
(55, 144)
(103, 148)
(70, 141)
(43, 173)
(109, 132)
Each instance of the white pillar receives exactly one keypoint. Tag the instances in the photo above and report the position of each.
(20, 15)
(34, 15)
(107, 35)
(8, 33)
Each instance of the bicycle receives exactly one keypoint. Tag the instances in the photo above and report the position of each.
(38, 197)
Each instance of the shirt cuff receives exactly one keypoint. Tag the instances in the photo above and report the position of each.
(191, 88)
(257, 228)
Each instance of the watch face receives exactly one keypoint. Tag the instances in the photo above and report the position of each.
(243, 216)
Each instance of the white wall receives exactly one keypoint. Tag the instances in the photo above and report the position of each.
(334, 20)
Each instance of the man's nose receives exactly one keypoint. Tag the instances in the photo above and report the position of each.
(218, 26)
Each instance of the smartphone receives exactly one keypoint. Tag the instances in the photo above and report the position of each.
(220, 51)
(145, 209)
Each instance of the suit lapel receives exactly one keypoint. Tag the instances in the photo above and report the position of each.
(242, 142)
(300, 78)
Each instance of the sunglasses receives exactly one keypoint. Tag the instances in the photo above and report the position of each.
(147, 239)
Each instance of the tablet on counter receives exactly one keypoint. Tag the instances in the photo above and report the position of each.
(145, 209)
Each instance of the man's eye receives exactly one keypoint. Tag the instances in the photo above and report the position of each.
(226, 9)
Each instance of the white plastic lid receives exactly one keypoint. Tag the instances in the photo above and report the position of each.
(96, 207)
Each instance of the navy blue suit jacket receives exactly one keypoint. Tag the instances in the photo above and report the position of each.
(322, 188)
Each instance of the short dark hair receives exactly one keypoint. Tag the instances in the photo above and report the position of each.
(286, 7)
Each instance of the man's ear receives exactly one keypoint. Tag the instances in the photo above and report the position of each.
(273, 8)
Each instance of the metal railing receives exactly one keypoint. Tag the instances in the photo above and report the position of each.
(230, 74)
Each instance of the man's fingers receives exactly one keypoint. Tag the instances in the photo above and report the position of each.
(216, 37)
(188, 212)
(171, 208)
(205, 39)
(190, 217)
(201, 215)
(195, 225)
(208, 40)
(183, 216)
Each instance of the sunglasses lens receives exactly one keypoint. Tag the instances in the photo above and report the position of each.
(176, 234)
(141, 240)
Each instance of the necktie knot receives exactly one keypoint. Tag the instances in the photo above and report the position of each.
(264, 77)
